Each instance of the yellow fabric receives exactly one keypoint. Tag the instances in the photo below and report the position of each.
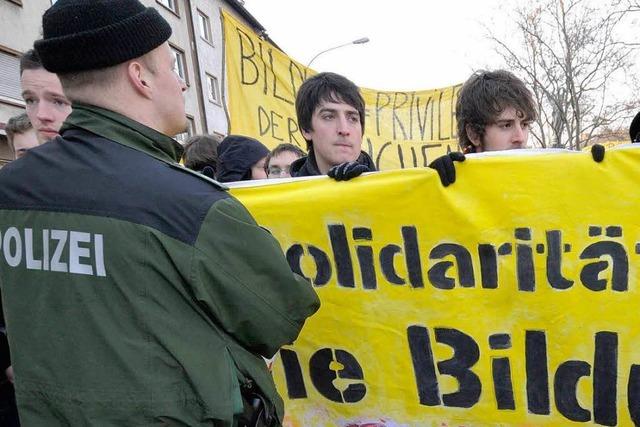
(403, 129)
(573, 219)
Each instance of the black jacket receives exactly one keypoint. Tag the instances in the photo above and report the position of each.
(307, 166)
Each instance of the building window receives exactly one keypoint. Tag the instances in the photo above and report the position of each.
(10, 78)
(213, 91)
(172, 5)
(182, 137)
(180, 66)
(205, 27)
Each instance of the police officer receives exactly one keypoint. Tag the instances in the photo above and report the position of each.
(136, 292)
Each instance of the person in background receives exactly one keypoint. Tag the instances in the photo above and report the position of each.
(47, 105)
(21, 135)
(201, 154)
(241, 158)
(278, 163)
(330, 113)
(21, 138)
(494, 112)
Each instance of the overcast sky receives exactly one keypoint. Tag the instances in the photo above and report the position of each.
(414, 44)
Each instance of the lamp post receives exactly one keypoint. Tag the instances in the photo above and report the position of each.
(361, 40)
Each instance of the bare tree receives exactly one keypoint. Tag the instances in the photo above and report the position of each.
(631, 5)
(568, 53)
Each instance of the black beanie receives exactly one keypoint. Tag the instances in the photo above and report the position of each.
(81, 35)
(236, 155)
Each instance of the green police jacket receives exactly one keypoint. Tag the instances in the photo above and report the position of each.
(136, 292)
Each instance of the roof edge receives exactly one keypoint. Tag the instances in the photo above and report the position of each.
(257, 26)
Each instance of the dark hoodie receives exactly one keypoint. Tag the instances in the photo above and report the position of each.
(634, 129)
(307, 166)
(236, 155)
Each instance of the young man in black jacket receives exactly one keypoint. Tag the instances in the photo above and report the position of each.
(330, 112)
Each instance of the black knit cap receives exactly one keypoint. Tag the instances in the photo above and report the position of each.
(81, 35)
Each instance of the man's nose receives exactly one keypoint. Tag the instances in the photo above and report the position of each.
(519, 135)
(45, 111)
(343, 126)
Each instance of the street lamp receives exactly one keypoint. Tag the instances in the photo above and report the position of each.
(362, 40)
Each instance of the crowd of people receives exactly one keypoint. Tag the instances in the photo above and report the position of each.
(494, 112)
(141, 301)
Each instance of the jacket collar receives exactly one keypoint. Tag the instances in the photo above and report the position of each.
(123, 130)
(308, 165)
(305, 166)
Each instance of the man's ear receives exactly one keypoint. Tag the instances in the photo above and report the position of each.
(306, 134)
(138, 77)
(473, 136)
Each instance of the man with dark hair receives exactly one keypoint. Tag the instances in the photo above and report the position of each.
(201, 154)
(146, 295)
(330, 111)
(494, 112)
(30, 61)
(279, 160)
(20, 135)
(46, 104)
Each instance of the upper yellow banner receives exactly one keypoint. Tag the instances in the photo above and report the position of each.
(508, 298)
(403, 129)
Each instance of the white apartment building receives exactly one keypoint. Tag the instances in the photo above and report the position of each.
(196, 41)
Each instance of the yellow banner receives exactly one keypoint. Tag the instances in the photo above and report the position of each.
(508, 298)
(403, 129)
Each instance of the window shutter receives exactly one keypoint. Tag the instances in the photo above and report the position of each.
(10, 76)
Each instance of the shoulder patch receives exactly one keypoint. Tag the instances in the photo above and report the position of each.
(218, 185)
